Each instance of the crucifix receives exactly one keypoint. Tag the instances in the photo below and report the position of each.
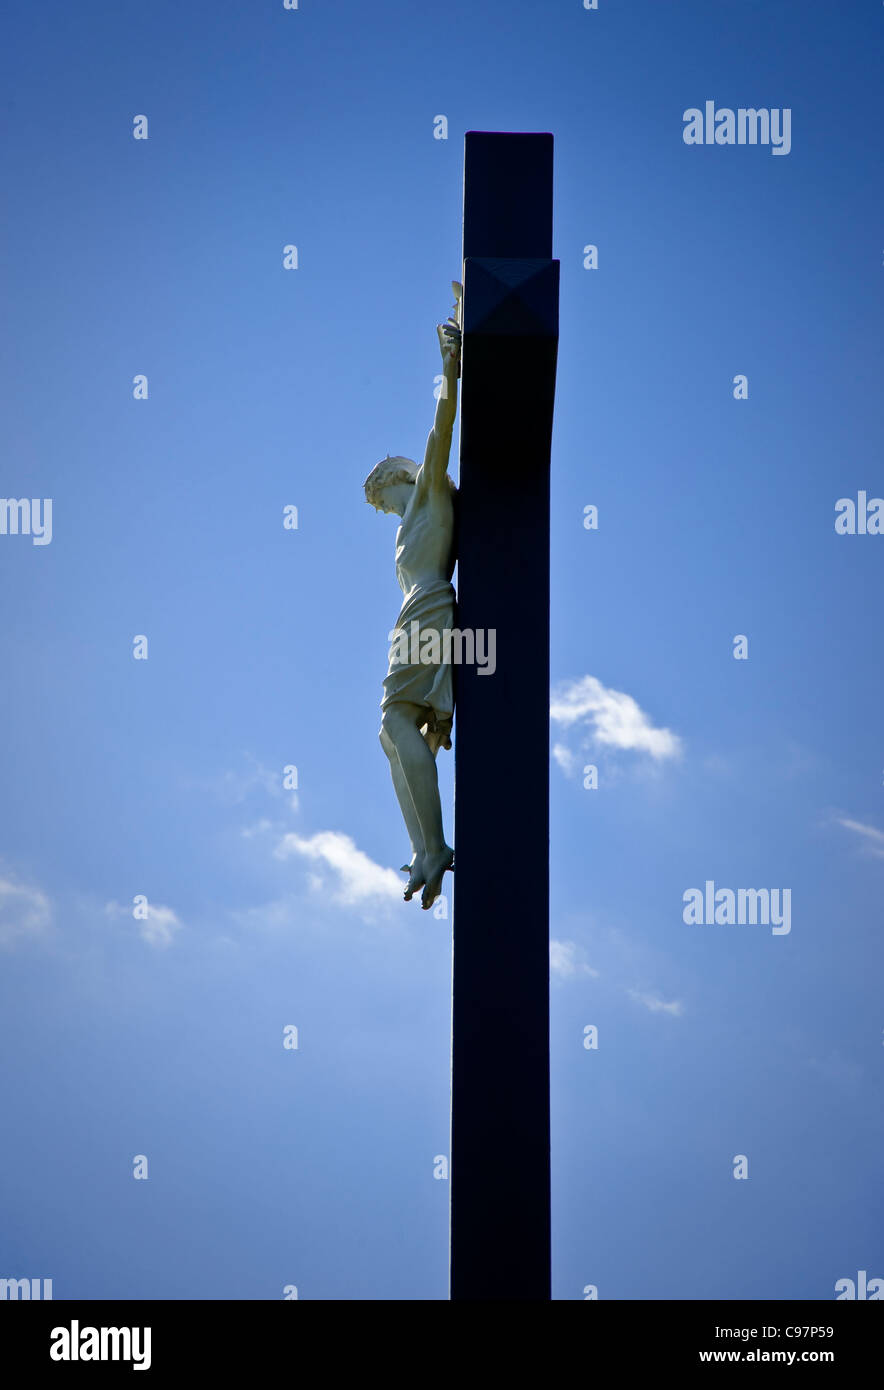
(503, 341)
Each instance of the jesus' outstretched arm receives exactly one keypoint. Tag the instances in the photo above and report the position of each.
(435, 465)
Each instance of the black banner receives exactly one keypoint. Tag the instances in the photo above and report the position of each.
(224, 1338)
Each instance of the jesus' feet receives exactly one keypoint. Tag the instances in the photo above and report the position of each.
(434, 869)
(416, 876)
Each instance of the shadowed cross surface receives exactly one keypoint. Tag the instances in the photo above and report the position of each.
(500, 1159)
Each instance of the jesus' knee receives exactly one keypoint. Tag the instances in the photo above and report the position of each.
(396, 726)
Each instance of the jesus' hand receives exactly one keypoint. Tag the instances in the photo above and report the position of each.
(449, 344)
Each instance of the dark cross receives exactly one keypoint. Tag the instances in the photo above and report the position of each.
(500, 1167)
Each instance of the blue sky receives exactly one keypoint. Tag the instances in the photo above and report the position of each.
(314, 1167)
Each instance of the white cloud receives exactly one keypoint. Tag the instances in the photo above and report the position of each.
(24, 911)
(656, 1005)
(355, 877)
(874, 839)
(567, 960)
(611, 718)
(157, 928)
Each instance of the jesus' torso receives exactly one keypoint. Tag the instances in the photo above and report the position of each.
(425, 541)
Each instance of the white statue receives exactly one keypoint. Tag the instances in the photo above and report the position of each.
(418, 703)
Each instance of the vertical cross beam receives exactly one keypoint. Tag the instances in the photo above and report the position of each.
(500, 1164)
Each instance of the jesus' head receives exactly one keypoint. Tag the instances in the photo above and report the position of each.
(389, 485)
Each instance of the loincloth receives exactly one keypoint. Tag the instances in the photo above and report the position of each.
(425, 683)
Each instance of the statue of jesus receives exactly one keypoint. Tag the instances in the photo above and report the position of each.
(418, 704)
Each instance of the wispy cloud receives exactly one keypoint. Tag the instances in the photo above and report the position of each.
(566, 759)
(235, 786)
(158, 928)
(24, 911)
(261, 827)
(842, 1072)
(656, 1005)
(609, 718)
(873, 839)
(349, 875)
(567, 961)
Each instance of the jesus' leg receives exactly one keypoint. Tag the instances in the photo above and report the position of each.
(401, 723)
(409, 815)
